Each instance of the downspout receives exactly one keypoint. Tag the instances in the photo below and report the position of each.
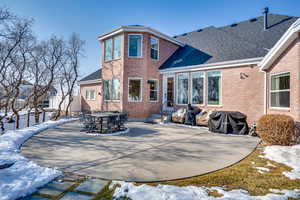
(265, 92)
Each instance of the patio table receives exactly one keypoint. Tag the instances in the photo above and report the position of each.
(99, 118)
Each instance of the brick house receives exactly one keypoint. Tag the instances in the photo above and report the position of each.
(252, 66)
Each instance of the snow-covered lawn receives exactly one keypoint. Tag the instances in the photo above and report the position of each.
(288, 155)
(170, 192)
(24, 177)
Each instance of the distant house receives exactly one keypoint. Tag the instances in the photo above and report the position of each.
(251, 66)
(91, 92)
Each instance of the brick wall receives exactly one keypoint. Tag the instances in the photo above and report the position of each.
(242, 90)
(91, 105)
(144, 68)
(113, 69)
(289, 61)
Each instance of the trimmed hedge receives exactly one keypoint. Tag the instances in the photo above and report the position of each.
(276, 129)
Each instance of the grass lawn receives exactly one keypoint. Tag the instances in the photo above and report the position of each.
(242, 175)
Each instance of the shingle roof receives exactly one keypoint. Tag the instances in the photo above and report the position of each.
(246, 39)
(93, 76)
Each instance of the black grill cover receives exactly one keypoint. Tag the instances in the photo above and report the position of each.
(228, 122)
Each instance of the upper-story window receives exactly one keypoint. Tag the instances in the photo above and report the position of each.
(280, 90)
(90, 95)
(135, 42)
(117, 47)
(112, 48)
(108, 49)
(154, 42)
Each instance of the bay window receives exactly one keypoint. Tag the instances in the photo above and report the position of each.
(213, 87)
(135, 45)
(280, 90)
(182, 88)
(115, 89)
(108, 49)
(153, 87)
(197, 85)
(134, 90)
(117, 47)
(154, 48)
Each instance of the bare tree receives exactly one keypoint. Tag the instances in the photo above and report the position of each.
(15, 37)
(69, 73)
(75, 50)
(46, 59)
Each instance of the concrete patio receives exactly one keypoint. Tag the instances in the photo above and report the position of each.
(147, 153)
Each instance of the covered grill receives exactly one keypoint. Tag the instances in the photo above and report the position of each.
(228, 122)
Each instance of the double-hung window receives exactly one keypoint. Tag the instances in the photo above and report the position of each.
(213, 87)
(280, 90)
(182, 88)
(154, 43)
(134, 90)
(90, 95)
(135, 45)
(153, 87)
(197, 85)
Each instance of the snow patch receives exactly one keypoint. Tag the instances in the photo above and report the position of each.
(110, 134)
(262, 169)
(288, 155)
(170, 192)
(24, 177)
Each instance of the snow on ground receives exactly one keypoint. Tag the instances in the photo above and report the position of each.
(23, 120)
(24, 177)
(288, 155)
(262, 169)
(170, 192)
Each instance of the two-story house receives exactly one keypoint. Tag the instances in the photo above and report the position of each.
(252, 66)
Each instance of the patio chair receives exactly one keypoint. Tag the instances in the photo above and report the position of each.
(179, 116)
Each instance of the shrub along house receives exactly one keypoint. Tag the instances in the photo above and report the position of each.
(251, 66)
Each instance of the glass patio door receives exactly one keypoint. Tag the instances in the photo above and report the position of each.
(169, 91)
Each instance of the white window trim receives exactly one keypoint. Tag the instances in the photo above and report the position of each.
(88, 95)
(107, 100)
(165, 87)
(221, 93)
(142, 38)
(157, 48)
(112, 50)
(270, 91)
(141, 90)
(115, 100)
(204, 88)
(180, 104)
(157, 91)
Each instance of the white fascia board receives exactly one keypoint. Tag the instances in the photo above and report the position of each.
(288, 37)
(90, 81)
(218, 65)
(140, 29)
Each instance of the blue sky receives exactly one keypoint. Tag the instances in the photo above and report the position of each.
(91, 18)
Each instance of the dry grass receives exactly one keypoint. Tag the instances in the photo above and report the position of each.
(244, 175)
